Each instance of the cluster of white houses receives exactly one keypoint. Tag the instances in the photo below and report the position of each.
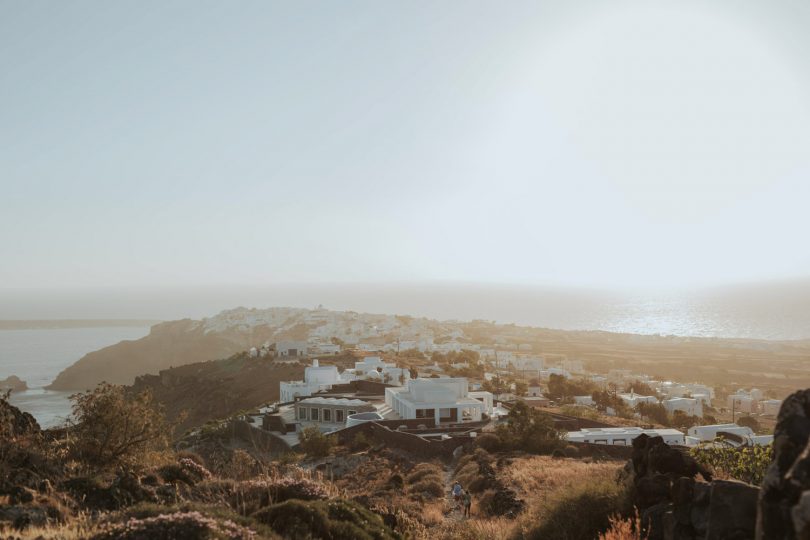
(729, 434)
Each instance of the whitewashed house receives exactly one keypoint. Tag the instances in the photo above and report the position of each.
(291, 348)
(742, 403)
(770, 407)
(316, 378)
(445, 400)
(689, 406)
(623, 436)
(584, 400)
(632, 399)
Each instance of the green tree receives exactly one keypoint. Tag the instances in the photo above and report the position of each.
(114, 427)
(530, 430)
(654, 412)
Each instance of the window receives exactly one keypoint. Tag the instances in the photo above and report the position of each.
(339, 415)
(313, 414)
(327, 415)
(302, 413)
(600, 441)
(620, 442)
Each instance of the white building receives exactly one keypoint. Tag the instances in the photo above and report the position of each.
(446, 400)
(291, 348)
(770, 407)
(374, 368)
(584, 400)
(703, 434)
(742, 403)
(316, 378)
(535, 391)
(599, 381)
(689, 406)
(623, 436)
(632, 399)
(331, 413)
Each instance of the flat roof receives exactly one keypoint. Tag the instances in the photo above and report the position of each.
(333, 401)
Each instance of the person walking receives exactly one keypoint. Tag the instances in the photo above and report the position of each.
(456, 492)
(467, 500)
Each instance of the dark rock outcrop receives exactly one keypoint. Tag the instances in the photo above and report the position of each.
(784, 503)
(673, 505)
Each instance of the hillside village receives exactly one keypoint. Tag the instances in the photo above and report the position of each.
(438, 382)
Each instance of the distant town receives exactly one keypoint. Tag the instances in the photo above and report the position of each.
(404, 377)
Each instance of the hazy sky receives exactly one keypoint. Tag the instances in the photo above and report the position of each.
(599, 144)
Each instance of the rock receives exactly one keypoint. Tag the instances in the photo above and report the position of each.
(20, 495)
(787, 476)
(13, 383)
(15, 423)
(699, 510)
(652, 520)
(732, 511)
(801, 517)
(652, 490)
(22, 517)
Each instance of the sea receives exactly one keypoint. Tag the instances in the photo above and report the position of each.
(38, 355)
(772, 311)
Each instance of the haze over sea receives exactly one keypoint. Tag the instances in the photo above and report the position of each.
(778, 311)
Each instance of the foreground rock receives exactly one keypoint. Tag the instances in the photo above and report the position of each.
(13, 383)
(675, 506)
(784, 503)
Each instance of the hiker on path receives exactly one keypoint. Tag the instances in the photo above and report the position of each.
(456, 492)
(467, 500)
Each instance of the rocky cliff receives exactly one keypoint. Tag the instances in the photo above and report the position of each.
(168, 344)
(196, 393)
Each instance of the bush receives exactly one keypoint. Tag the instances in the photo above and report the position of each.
(314, 443)
(253, 495)
(581, 511)
(747, 464)
(114, 428)
(429, 487)
(425, 471)
(529, 430)
(186, 525)
(295, 520)
(336, 519)
(489, 442)
(185, 471)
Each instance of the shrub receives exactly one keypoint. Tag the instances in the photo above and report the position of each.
(747, 464)
(425, 471)
(250, 496)
(295, 520)
(489, 442)
(336, 519)
(429, 486)
(314, 443)
(114, 428)
(529, 430)
(186, 525)
(579, 511)
(185, 471)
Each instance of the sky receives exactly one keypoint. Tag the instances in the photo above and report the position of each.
(586, 144)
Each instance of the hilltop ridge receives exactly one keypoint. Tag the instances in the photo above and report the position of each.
(177, 343)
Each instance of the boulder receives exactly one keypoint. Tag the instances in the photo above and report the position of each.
(787, 477)
(732, 511)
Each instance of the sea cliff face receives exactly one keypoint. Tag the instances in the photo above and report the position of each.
(168, 344)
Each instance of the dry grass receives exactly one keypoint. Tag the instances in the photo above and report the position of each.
(535, 476)
(624, 529)
(473, 529)
(78, 528)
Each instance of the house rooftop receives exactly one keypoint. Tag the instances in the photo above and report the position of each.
(333, 401)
